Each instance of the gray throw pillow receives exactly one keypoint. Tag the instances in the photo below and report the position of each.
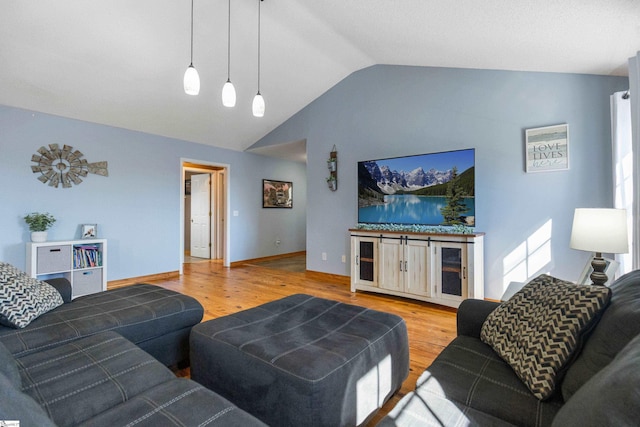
(610, 397)
(539, 329)
(618, 325)
(23, 298)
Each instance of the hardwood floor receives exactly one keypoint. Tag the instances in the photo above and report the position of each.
(223, 291)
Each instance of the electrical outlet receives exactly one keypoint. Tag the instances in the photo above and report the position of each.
(324, 256)
(278, 242)
(344, 259)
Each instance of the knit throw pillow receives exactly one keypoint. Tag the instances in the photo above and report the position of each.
(23, 298)
(539, 329)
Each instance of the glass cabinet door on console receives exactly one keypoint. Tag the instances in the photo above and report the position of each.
(364, 254)
(451, 270)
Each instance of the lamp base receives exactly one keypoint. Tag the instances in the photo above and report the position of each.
(598, 277)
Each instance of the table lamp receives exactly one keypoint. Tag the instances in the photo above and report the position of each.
(600, 230)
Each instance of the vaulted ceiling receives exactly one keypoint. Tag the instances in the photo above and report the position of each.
(121, 62)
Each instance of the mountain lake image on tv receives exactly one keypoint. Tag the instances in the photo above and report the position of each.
(429, 189)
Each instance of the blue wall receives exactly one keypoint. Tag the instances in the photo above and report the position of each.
(137, 208)
(388, 111)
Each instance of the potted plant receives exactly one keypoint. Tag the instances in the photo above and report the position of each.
(38, 224)
(332, 182)
(332, 164)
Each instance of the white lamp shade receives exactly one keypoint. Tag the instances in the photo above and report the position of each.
(228, 94)
(191, 81)
(258, 105)
(600, 230)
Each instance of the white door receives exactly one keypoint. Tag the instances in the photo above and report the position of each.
(201, 215)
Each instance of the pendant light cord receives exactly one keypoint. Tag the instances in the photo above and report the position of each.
(259, 1)
(191, 32)
(229, 45)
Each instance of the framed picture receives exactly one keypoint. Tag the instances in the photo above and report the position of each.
(609, 270)
(277, 194)
(547, 148)
(89, 231)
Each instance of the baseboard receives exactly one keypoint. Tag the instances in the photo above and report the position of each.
(267, 258)
(142, 279)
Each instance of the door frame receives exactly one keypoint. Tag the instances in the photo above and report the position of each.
(193, 163)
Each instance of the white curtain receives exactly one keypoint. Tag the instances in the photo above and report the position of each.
(634, 98)
(621, 141)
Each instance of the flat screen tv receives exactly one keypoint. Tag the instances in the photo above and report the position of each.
(430, 189)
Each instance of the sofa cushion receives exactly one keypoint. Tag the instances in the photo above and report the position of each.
(15, 405)
(8, 367)
(610, 397)
(471, 375)
(23, 298)
(540, 328)
(618, 325)
(76, 381)
(422, 408)
(139, 312)
(177, 402)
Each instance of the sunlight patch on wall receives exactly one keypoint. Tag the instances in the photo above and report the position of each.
(529, 258)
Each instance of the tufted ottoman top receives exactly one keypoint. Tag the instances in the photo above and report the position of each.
(300, 352)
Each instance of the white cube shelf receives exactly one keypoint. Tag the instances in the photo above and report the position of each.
(82, 262)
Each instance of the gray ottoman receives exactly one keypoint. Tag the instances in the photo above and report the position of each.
(303, 360)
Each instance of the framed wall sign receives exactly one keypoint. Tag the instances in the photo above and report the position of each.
(277, 194)
(547, 148)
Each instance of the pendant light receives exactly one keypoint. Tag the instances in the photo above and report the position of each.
(228, 91)
(258, 100)
(191, 77)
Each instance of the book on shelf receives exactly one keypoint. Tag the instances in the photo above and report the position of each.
(87, 256)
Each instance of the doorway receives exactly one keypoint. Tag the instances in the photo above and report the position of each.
(204, 212)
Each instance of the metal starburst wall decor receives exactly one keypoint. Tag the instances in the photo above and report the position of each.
(64, 166)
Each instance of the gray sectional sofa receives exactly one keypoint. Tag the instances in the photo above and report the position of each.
(469, 384)
(101, 360)
(158, 320)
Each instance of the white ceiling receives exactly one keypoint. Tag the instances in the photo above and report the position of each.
(121, 62)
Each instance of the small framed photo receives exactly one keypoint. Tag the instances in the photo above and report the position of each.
(89, 231)
(547, 148)
(277, 194)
